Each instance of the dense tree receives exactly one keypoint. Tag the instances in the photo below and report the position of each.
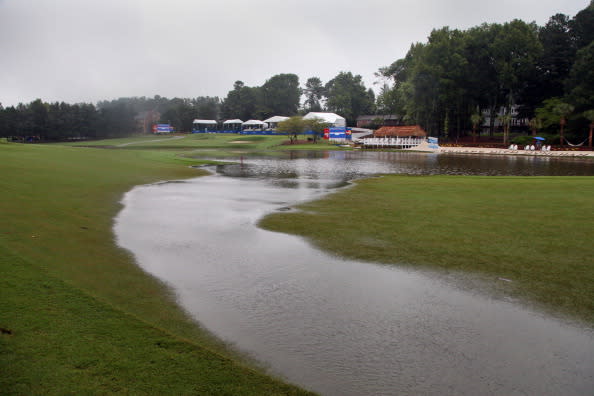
(589, 115)
(347, 96)
(180, 113)
(240, 102)
(553, 66)
(582, 26)
(516, 50)
(280, 95)
(207, 108)
(580, 85)
(314, 91)
(297, 125)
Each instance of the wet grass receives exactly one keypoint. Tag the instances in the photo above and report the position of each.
(225, 141)
(535, 232)
(223, 144)
(77, 315)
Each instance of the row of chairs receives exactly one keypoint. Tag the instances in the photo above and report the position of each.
(529, 147)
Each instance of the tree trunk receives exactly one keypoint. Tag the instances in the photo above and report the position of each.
(491, 122)
(590, 135)
(562, 125)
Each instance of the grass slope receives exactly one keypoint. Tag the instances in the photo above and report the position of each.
(535, 231)
(220, 144)
(83, 317)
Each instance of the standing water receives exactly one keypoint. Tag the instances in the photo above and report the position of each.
(336, 326)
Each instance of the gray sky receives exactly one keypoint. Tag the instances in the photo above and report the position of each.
(90, 50)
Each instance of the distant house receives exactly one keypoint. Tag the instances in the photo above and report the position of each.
(400, 131)
(366, 121)
(329, 118)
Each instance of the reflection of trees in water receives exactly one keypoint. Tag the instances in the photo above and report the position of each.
(332, 167)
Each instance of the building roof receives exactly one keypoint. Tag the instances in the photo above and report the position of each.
(377, 117)
(210, 122)
(276, 119)
(329, 118)
(400, 131)
(235, 121)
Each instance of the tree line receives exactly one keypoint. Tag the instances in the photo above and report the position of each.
(345, 94)
(447, 85)
(544, 73)
(39, 120)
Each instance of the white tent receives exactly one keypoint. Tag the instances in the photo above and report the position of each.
(254, 124)
(235, 121)
(276, 119)
(333, 119)
(204, 125)
(204, 122)
(273, 121)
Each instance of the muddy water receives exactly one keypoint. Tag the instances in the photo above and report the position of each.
(336, 326)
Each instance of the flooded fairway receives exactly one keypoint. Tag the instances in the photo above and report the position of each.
(336, 326)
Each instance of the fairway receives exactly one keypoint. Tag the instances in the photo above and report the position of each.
(78, 316)
(210, 144)
(531, 236)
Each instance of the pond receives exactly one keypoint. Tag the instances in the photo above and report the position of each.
(343, 327)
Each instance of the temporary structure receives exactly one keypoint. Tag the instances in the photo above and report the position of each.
(330, 118)
(204, 125)
(273, 121)
(232, 125)
(250, 124)
(204, 122)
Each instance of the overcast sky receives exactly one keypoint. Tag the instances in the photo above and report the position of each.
(91, 50)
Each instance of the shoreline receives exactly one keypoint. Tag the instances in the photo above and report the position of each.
(496, 151)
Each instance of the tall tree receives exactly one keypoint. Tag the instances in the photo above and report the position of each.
(516, 50)
(314, 91)
(553, 67)
(280, 95)
(240, 102)
(580, 84)
(563, 110)
(347, 96)
(589, 115)
(582, 26)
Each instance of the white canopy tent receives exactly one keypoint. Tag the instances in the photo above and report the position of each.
(232, 125)
(204, 122)
(273, 121)
(249, 124)
(204, 125)
(234, 121)
(333, 119)
(276, 119)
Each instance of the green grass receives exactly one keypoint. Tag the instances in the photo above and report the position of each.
(84, 318)
(535, 231)
(215, 144)
(191, 142)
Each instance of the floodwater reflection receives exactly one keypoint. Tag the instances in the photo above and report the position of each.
(340, 327)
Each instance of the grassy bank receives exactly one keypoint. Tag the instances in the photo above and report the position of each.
(219, 144)
(534, 231)
(78, 316)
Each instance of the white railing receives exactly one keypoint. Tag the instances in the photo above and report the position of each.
(404, 143)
